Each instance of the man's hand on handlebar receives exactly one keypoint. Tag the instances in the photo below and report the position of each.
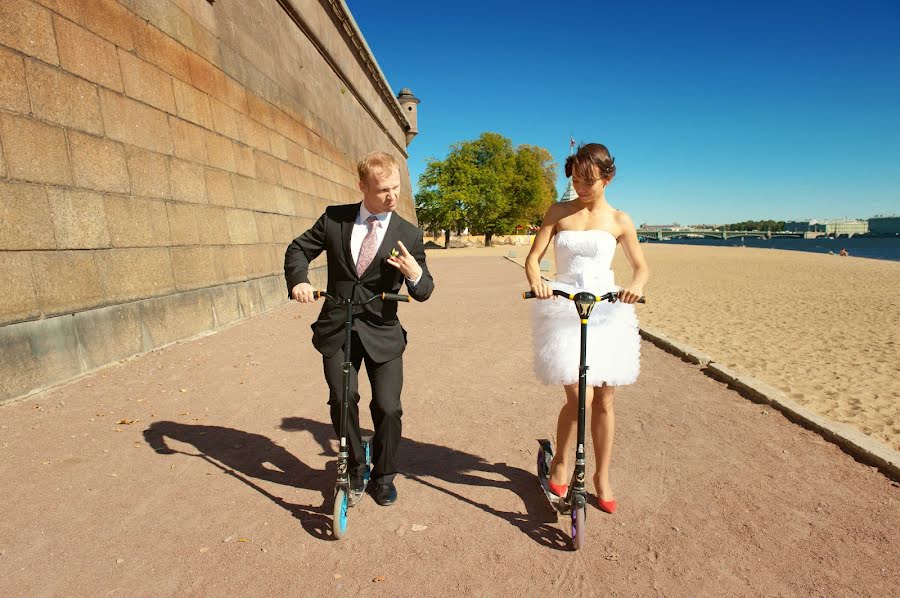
(303, 293)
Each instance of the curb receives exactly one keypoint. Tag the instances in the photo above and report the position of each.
(860, 446)
(686, 353)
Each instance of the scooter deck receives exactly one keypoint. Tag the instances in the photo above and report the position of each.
(557, 502)
(354, 497)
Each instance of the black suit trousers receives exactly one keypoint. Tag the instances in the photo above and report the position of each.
(386, 379)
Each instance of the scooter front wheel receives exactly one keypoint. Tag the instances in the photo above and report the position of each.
(578, 527)
(341, 504)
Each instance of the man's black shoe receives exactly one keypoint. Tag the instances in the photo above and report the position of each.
(384, 494)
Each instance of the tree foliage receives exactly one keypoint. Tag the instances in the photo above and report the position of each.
(755, 225)
(487, 186)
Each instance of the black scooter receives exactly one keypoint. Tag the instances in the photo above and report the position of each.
(573, 503)
(344, 496)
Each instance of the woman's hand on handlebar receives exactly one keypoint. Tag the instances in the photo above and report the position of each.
(303, 293)
(631, 294)
(542, 290)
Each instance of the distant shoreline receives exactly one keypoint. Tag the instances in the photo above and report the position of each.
(858, 246)
(877, 248)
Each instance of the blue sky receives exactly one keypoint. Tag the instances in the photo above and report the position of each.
(715, 111)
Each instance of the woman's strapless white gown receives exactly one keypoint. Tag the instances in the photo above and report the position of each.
(583, 260)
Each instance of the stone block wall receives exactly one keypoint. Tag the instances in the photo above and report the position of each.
(156, 158)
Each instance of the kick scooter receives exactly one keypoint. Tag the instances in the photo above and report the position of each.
(344, 495)
(573, 503)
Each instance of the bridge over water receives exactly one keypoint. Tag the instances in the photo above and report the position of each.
(696, 233)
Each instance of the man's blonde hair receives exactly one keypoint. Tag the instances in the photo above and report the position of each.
(379, 162)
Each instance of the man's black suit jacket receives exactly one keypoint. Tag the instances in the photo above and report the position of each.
(376, 323)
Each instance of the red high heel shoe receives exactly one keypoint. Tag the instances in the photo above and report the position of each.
(558, 489)
(607, 506)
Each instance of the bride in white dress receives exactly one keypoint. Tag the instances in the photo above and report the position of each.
(585, 232)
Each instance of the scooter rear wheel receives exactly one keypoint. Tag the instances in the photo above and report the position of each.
(578, 527)
(339, 523)
(544, 458)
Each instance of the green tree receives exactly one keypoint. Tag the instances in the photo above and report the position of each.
(486, 185)
(533, 184)
(485, 168)
(756, 225)
(438, 205)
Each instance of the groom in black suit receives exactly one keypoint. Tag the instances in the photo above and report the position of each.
(358, 240)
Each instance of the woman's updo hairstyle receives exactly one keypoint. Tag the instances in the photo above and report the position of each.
(589, 156)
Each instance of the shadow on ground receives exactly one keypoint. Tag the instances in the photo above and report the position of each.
(440, 467)
(246, 456)
(243, 456)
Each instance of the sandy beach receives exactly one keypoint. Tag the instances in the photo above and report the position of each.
(824, 329)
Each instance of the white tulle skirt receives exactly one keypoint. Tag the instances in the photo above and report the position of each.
(613, 340)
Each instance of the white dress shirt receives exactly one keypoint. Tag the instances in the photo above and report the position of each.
(361, 229)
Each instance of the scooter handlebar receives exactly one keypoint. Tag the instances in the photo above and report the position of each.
(557, 292)
(383, 296)
(611, 296)
(394, 297)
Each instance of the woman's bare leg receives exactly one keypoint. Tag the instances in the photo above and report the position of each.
(602, 426)
(566, 430)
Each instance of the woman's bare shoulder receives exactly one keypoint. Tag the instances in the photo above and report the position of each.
(623, 220)
(556, 212)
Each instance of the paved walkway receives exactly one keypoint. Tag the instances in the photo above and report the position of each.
(206, 468)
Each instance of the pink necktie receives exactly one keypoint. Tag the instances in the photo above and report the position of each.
(369, 246)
